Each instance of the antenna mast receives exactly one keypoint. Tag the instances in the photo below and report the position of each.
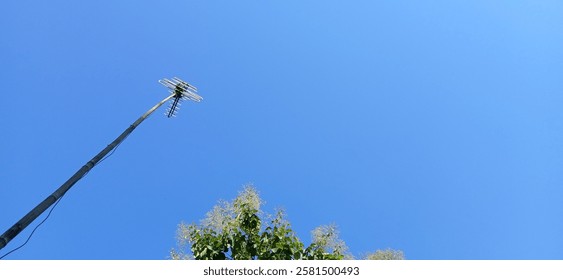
(179, 90)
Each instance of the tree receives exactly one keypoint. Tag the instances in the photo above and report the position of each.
(239, 230)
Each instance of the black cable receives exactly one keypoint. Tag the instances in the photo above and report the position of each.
(111, 153)
(131, 128)
(36, 227)
(57, 202)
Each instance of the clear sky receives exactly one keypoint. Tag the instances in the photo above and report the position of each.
(433, 127)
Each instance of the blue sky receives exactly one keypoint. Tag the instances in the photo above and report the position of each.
(433, 127)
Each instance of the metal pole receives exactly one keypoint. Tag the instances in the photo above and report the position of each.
(45, 204)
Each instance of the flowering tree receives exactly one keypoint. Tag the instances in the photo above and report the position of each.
(238, 230)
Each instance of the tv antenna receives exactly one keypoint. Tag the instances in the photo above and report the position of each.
(179, 90)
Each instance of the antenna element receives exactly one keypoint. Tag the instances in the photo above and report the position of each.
(180, 91)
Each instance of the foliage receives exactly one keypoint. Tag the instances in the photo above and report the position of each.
(239, 230)
(388, 254)
(235, 230)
